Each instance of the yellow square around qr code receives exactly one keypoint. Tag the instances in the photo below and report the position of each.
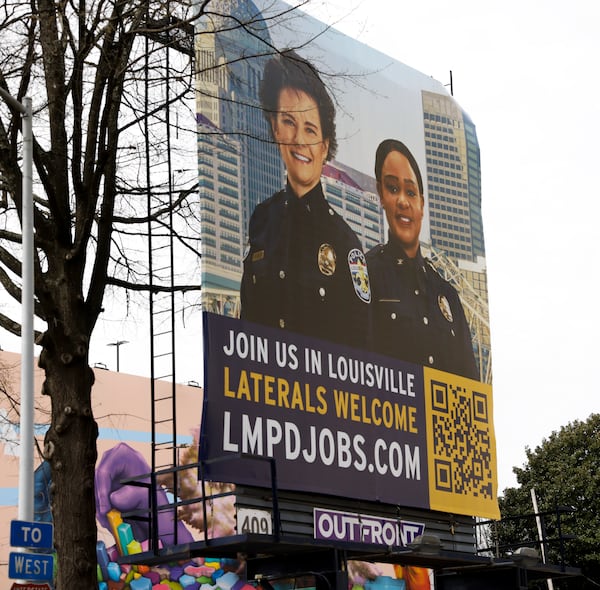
(461, 445)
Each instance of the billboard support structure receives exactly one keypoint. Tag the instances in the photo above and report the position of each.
(287, 552)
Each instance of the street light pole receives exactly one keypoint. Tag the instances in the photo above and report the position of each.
(118, 344)
(26, 482)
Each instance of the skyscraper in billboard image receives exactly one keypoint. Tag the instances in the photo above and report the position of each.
(288, 220)
(237, 165)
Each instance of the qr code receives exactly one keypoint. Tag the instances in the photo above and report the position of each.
(462, 440)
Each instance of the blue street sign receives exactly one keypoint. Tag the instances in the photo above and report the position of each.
(30, 566)
(31, 534)
(30, 586)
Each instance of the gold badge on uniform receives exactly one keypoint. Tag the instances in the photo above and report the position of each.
(258, 255)
(326, 259)
(445, 307)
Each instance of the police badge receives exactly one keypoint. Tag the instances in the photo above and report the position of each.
(326, 259)
(360, 275)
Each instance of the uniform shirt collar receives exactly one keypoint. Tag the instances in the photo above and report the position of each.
(397, 251)
(313, 199)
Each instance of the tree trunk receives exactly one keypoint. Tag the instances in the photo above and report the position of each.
(70, 448)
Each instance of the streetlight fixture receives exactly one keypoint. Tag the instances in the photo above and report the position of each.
(25, 510)
(118, 344)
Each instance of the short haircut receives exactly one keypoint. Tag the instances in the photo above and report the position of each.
(289, 70)
(393, 145)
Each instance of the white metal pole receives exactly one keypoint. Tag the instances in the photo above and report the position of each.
(25, 510)
(27, 435)
(538, 522)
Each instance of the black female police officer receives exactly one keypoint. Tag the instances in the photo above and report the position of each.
(417, 315)
(304, 270)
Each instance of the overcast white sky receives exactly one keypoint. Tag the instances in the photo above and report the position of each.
(527, 73)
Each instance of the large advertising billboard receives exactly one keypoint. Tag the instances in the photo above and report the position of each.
(346, 330)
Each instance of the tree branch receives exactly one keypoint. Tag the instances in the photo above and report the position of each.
(155, 288)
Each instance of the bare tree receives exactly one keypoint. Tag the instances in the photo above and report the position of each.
(112, 89)
(10, 406)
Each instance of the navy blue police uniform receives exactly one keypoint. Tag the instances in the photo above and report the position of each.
(305, 270)
(417, 315)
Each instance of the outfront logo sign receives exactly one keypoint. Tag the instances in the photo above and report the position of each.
(333, 525)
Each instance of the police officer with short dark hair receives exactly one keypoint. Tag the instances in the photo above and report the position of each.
(304, 270)
(417, 315)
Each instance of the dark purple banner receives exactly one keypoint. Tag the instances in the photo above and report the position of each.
(336, 420)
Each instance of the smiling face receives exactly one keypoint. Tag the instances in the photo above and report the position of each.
(297, 131)
(402, 201)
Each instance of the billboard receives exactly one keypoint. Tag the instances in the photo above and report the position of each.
(346, 330)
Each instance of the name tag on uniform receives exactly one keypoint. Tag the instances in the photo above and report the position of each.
(258, 255)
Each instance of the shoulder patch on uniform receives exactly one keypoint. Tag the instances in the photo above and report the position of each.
(360, 275)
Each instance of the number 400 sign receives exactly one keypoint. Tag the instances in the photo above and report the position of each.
(250, 520)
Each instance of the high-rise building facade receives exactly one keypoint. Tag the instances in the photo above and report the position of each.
(474, 187)
(456, 228)
(354, 197)
(453, 178)
(219, 186)
(236, 155)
